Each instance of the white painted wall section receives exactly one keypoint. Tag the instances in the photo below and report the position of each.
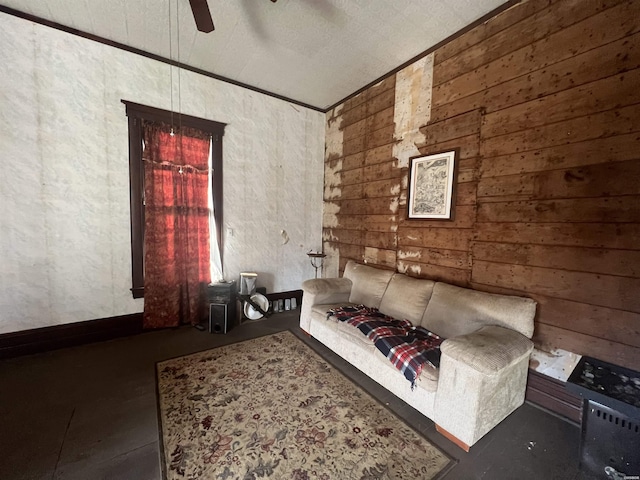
(64, 188)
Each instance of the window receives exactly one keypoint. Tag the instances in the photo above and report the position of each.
(136, 114)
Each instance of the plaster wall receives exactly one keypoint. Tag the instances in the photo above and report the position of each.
(64, 188)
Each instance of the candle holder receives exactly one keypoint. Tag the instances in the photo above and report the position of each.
(317, 259)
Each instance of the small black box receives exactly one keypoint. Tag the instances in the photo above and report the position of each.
(223, 292)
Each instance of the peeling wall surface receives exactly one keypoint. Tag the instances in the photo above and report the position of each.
(65, 229)
(556, 364)
(332, 186)
(412, 108)
(363, 185)
(541, 103)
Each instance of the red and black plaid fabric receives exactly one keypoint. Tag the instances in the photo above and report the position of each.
(408, 348)
(410, 353)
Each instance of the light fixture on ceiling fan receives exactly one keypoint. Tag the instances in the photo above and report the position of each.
(202, 15)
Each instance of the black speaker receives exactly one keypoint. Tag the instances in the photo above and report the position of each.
(219, 318)
(222, 292)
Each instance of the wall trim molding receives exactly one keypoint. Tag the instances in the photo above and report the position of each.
(43, 339)
(152, 56)
(552, 395)
(496, 11)
(105, 41)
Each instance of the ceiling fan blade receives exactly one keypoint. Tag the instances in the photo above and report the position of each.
(202, 15)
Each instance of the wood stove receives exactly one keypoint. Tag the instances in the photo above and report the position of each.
(610, 440)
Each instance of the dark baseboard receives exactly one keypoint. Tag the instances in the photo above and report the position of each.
(68, 335)
(551, 394)
(43, 339)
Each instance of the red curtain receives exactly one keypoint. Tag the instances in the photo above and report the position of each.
(176, 236)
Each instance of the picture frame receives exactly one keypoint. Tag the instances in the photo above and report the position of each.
(431, 187)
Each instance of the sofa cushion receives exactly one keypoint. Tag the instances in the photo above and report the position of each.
(454, 311)
(344, 329)
(406, 298)
(369, 283)
(428, 378)
(368, 359)
(488, 350)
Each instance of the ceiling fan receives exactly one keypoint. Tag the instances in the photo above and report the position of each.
(202, 15)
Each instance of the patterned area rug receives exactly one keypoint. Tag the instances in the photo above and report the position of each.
(271, 407)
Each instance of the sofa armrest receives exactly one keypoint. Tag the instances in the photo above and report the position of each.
(483, 378)
(327, 286)
(320, 291)
(489, 349)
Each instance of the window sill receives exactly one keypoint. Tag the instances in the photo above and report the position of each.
(137, 292)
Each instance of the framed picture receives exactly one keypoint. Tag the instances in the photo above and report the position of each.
(431, 186)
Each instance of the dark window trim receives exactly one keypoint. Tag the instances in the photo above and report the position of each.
(136, 113)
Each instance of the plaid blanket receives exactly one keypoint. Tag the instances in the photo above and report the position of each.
(408, 348)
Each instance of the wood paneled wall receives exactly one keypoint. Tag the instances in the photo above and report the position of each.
(544, 103)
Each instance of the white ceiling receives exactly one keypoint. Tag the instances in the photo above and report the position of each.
(315, 52)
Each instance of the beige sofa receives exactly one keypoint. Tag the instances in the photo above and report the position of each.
(483, 368)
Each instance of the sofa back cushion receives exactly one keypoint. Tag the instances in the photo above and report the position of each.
(369, 283)
(406, 298)
(454, 311)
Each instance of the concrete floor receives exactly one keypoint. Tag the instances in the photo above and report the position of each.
(89, 413)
